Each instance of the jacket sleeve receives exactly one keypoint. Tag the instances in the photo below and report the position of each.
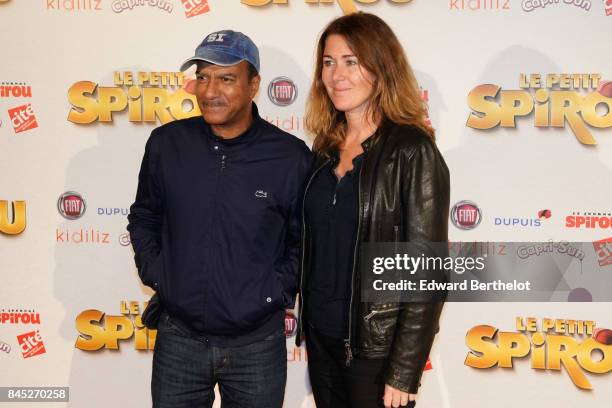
(287, 266)
(145, 218)
(426, 195)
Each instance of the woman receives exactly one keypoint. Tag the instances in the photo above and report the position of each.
(378, 177)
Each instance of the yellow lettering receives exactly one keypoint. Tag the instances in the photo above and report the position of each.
(479, 341)
(547, 324)
(589, 110)
(512, 345)
(17, 224)
(479, 100)
(585, 356)
(347, 6)
(565, 106)
(177, 105)
(117, 328)
(561, 351)
(111, 100)
(84, 106)
(257, 3)
(538, 352)
(514, 103)
(155, 102)
(92, 334)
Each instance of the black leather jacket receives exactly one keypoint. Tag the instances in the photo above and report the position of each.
(403, 196)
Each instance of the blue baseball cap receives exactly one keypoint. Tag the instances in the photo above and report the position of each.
(225, 48)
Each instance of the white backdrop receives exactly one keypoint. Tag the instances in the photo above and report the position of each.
(454, 46)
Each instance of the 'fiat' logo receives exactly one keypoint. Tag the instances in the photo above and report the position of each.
(466, 215)
(282, 91)
(71, 205)
(290, 324)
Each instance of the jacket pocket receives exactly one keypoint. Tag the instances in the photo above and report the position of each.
(382, 324)
(169, 325)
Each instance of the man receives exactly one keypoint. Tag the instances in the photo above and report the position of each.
(216, 232)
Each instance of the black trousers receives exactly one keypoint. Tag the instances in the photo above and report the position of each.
(334, 385)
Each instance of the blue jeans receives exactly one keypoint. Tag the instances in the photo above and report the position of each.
(186, 370)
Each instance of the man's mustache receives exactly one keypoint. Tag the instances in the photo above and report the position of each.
(214, 104)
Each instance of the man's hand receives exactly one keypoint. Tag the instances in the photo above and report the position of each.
(396, 398)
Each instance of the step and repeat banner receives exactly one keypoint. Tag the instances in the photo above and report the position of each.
(518, 93)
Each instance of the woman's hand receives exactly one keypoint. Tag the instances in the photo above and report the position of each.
(396, 398)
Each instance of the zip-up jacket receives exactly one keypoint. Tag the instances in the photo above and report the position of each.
(216, 223)
(404, 195)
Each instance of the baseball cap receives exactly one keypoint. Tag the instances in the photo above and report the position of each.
(225, 48)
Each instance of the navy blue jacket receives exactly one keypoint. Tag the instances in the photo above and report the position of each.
(216, 224)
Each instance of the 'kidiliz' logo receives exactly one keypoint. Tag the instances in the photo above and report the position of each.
(485, 5)
(74, 5)
(556, 99)
(82, 236)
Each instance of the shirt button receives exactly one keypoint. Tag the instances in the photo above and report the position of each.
(216, 147)
(269, 299)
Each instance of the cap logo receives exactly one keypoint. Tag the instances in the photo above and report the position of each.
(216, 37)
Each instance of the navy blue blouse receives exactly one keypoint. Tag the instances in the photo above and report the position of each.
(331, 209)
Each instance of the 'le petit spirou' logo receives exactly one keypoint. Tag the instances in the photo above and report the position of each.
(577, 345)
(97, 330)
(578, 99)
(148, 97)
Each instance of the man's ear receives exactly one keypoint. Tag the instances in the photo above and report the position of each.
(254, 85)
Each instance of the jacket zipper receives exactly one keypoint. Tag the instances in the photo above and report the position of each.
(217, 181)
(301, 312)
(347, 342)
(379, 312)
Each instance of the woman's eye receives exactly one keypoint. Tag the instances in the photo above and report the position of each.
(328, 63)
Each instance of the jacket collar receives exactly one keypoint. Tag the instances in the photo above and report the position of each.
(245, 137)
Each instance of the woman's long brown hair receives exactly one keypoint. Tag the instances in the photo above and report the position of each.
(396, 96)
